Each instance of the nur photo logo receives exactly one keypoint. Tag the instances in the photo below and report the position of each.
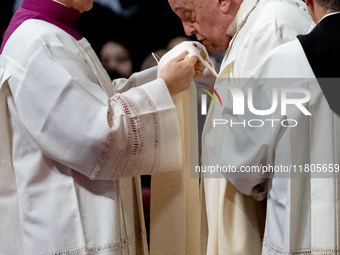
(204, 96)
(244, 101)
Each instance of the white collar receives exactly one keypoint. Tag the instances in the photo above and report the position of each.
(60, 3)
(329, 14)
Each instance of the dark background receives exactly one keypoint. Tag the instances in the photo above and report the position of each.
(150, 29)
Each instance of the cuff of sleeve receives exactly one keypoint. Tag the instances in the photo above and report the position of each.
(170, 138)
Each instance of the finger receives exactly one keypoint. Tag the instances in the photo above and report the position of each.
(181, 56)
(199, 71)
(199, 66)
(192, 60)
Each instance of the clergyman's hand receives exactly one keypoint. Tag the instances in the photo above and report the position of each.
(199, 69)
(178, 72)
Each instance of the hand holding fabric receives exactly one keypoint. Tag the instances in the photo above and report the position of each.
(178, 72)
(190, 55)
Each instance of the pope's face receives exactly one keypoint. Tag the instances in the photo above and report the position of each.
(204, 19)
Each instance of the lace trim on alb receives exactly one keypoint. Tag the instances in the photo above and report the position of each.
(93, 249)
(155, 117)
(278, 249)
(135, 134)
(102, 160)
(135, 139)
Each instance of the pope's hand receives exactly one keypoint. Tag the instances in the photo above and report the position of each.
(178, 72)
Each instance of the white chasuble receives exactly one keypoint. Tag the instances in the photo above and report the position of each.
(236, 221)
(70, 139)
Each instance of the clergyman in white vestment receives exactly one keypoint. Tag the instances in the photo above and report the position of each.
(303, 210)
(68, 136)
(235, 221)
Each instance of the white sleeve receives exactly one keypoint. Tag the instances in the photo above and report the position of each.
(135, 80)
(74, 122)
